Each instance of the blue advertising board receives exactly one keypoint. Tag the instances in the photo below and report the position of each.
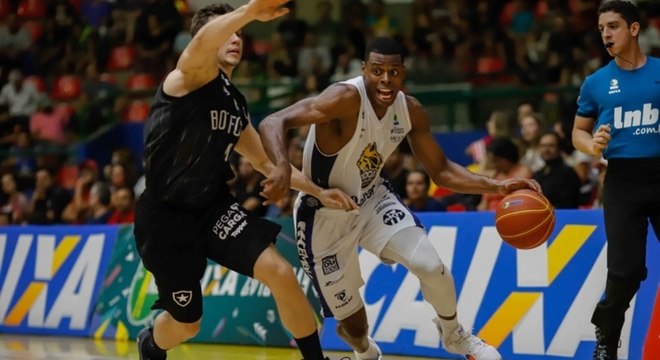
(50, 277)
(530, 304)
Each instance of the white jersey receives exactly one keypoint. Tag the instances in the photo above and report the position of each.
(356, 167)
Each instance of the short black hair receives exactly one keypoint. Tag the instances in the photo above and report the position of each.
(626, 9)
(505, 148)
(203, 15)
(384, 46)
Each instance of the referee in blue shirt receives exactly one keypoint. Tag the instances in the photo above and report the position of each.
(621, 101)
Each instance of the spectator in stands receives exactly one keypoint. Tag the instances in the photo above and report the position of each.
(348, 65)
(124, 18)
(559, 181)
(121, 176)
(379, 22)
(48, 199)
(50, 48)
(182, 39)
(293, 30)
(649, 35)
(75, 212)
(99, 103)
(314, 58)
(98, 210)
(95, 12)
(506, 161)
(154, 45)
(525, 108)
(8, 129)
(498, 125)
(22, 160)
(124, 156)
(15, 203)
(531, 128)
(15, 42)
(417, 189)
(123, 203)
(49, 126)
(21, 97)
(325, 27)
(64, 15)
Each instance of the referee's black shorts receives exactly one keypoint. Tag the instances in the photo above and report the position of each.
(174, 245)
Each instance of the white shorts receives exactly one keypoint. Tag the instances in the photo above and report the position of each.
(328, 239)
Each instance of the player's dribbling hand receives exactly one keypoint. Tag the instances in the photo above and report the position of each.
(276, 185)
(600, 139)
(266, 10)
(510, 185)
(337, 199)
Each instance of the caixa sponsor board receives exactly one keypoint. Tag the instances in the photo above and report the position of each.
(530, 304)
(50, 276)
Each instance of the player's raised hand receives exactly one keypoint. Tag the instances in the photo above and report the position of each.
(337, 199)
(266, 10)
(601, 138)
(510, 185)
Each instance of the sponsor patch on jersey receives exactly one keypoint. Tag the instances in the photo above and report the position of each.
(392, 217)
(329, 264)
(345, 299)
(369, 163)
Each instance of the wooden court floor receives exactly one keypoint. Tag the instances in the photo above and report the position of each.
(22, 347)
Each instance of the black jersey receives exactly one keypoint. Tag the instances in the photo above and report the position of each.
(188, 141)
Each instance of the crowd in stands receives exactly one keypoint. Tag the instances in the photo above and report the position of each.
(70, 69)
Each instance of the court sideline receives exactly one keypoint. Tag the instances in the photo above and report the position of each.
(24, 347)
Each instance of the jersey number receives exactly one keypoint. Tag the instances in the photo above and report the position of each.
(228, 151)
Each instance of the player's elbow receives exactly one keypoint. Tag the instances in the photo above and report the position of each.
(268, 125)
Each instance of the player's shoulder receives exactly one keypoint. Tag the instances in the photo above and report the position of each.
(412, 101)
(340, 93)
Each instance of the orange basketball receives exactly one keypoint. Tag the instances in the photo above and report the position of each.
(524, 219)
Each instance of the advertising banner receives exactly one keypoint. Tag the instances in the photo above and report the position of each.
(50, 276)
(530, 304)
(237, 309)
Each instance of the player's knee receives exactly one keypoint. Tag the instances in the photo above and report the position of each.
(276, 272)
(426, 264)
(189, 330)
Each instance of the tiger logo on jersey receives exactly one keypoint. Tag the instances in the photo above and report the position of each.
(369, 164)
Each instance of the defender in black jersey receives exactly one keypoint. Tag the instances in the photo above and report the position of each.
(187, 215)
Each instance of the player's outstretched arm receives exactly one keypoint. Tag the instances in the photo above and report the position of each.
(447, 173)
(198, 62)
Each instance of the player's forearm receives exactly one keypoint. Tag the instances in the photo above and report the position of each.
(222, 27)
(461, 180)
(304, 184)
(273, 137)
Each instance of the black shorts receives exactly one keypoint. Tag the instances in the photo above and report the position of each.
(175, 244)
(631, 200)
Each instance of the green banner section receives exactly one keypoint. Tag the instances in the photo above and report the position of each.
(237, 309)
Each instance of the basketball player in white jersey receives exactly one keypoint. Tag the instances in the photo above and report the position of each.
(355, 126)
